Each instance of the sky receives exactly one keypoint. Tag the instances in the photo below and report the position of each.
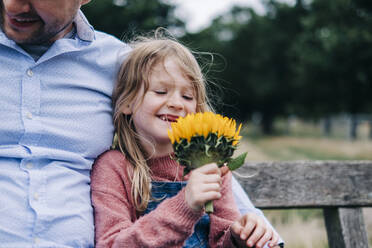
(198, 14)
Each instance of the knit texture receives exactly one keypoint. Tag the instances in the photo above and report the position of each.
(169, 225)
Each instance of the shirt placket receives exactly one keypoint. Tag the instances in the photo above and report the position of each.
(30, 114)
(30, 109)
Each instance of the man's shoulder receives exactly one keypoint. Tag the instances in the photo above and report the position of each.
(108, 38)
(109, 44)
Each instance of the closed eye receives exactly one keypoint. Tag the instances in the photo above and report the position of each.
(189, 98)
(160, 92)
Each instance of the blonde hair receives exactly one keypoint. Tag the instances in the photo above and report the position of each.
(133, 75)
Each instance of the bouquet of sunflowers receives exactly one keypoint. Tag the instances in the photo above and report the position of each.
(203, 138)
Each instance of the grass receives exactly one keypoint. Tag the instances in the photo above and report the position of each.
(304, 148)
(304, 228)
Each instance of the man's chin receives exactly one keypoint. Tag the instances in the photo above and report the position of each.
(24, 38)
(32, 36)
(17, 38)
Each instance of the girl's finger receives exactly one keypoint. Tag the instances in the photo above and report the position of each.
(255, 236)
(187, 177)
(211, 178)
(209, 196)
(236, 228)
(264, 239)
(224, 169)
(209, 169)
(274, 240)
(210, 187)
(247, 230)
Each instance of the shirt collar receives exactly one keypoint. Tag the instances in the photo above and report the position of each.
(84, 30)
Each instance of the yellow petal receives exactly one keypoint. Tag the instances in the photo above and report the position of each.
(204, 124)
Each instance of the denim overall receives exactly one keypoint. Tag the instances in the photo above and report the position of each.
(162, 190)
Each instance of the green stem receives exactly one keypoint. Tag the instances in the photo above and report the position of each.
(209, 207)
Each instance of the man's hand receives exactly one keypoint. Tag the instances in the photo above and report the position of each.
(252, 231)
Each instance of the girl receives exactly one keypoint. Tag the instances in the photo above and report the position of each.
(138, 194)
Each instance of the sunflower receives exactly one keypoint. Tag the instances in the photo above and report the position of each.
(203, 138)
(202, 124)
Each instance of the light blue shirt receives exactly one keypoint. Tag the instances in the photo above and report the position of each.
(55, 119)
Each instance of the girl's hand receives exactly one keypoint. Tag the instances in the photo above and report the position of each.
(252, 231)
(204, 184)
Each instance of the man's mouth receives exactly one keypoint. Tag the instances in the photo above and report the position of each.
(23, 22)
(168, 118)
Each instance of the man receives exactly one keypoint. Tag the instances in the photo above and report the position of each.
(56, 81)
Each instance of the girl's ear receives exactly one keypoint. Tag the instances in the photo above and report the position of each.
(127, 110)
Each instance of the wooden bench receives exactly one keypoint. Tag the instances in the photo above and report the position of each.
(340, 188)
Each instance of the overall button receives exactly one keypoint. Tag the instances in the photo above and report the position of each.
(30, 73)
(29, 165)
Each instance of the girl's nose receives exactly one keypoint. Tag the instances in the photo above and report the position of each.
(16, 7)
(174, 102)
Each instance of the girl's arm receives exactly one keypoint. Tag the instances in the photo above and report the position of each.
(225, 213)
(169, 225)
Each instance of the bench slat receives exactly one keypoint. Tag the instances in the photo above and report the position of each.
(313, 184)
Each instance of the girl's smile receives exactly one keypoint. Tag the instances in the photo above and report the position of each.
(168, 118)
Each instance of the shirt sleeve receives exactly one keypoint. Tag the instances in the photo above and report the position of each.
(169, 225)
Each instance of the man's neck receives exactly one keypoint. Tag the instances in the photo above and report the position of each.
(37, 50)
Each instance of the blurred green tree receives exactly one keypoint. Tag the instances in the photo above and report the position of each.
(257, 50)
(261, 62)
(128, 18)
(334, 54)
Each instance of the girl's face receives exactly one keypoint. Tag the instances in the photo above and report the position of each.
(170, 95)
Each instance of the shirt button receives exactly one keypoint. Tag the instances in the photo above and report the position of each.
(30, 73)
(36, 240)
(29, 165)
(36, 196)
(29, 115)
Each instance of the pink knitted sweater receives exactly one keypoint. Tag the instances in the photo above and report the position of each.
(169, 225)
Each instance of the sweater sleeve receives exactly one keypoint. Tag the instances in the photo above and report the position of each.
(169, 225)
(225, 213)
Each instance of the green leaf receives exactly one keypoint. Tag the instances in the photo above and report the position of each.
(235, 163)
